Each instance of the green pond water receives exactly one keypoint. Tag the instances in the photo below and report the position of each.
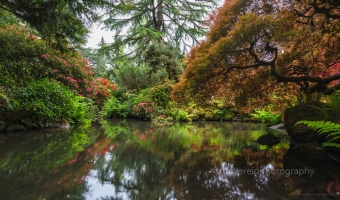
(130, 159)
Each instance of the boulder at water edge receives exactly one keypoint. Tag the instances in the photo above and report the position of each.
(301, 133)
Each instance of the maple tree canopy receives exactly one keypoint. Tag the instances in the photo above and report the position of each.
(256, 51)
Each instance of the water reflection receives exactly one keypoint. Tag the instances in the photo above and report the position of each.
(136, 160)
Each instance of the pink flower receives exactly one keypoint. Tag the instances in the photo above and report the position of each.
(142, 137)
(45, 55)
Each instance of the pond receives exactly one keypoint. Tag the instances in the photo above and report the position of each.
(130, 159)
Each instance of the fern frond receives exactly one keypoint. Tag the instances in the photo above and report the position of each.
(322, 126)
(330, 144)
(337, 137)
(331, 129)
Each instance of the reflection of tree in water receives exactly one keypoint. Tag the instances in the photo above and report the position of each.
(46, 165)
(325, 179)
(134, 172)
(209, 180)
(187, 156)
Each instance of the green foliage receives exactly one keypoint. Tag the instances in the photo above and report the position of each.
(55, 151)
(58, 22)
(160, 94)
(99, 62)
(183, 22)
(7, 103)
(24, 57)
(164, 56)
(113, 107)
(267, 116)
(331, 130)
(180, 115)
(142, 96)
(7, 18)
(47, 100)
(131, 77)
(335, 101)
(308, 97)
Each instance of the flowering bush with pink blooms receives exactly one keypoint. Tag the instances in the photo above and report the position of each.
(144, 110)
(24, 57)
(101, 88)
(27, 62)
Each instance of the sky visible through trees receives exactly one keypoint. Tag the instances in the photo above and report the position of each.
(98, 31)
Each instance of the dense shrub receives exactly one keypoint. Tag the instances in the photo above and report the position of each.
(47, 100)
(131, 77)
(101, 88)
(144, 110)
(160, 94)
(164, 56)
(24, 57)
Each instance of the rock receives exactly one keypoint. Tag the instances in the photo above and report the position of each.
(268, 139)
(310, 148)
(58, 124)
(3, 126)
(15, 133)
(16, 128)
(311, 156)
(313, 111)
(29, 123)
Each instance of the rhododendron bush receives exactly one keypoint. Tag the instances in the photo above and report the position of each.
(100, 89)
(24, 57)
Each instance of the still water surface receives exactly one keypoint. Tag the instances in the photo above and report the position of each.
(136, 160)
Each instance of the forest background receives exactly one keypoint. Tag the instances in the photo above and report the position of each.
(257, 59)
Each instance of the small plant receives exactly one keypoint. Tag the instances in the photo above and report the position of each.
(181, 115)
(114, 108)
(331, 130)
(334, 101)
(266, 116)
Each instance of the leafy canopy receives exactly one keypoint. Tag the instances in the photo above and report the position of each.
(255, 50)
(138, 23)
(59, 22)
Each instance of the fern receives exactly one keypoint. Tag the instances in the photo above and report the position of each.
(335, 100)
(11, 104)
(331, 129)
